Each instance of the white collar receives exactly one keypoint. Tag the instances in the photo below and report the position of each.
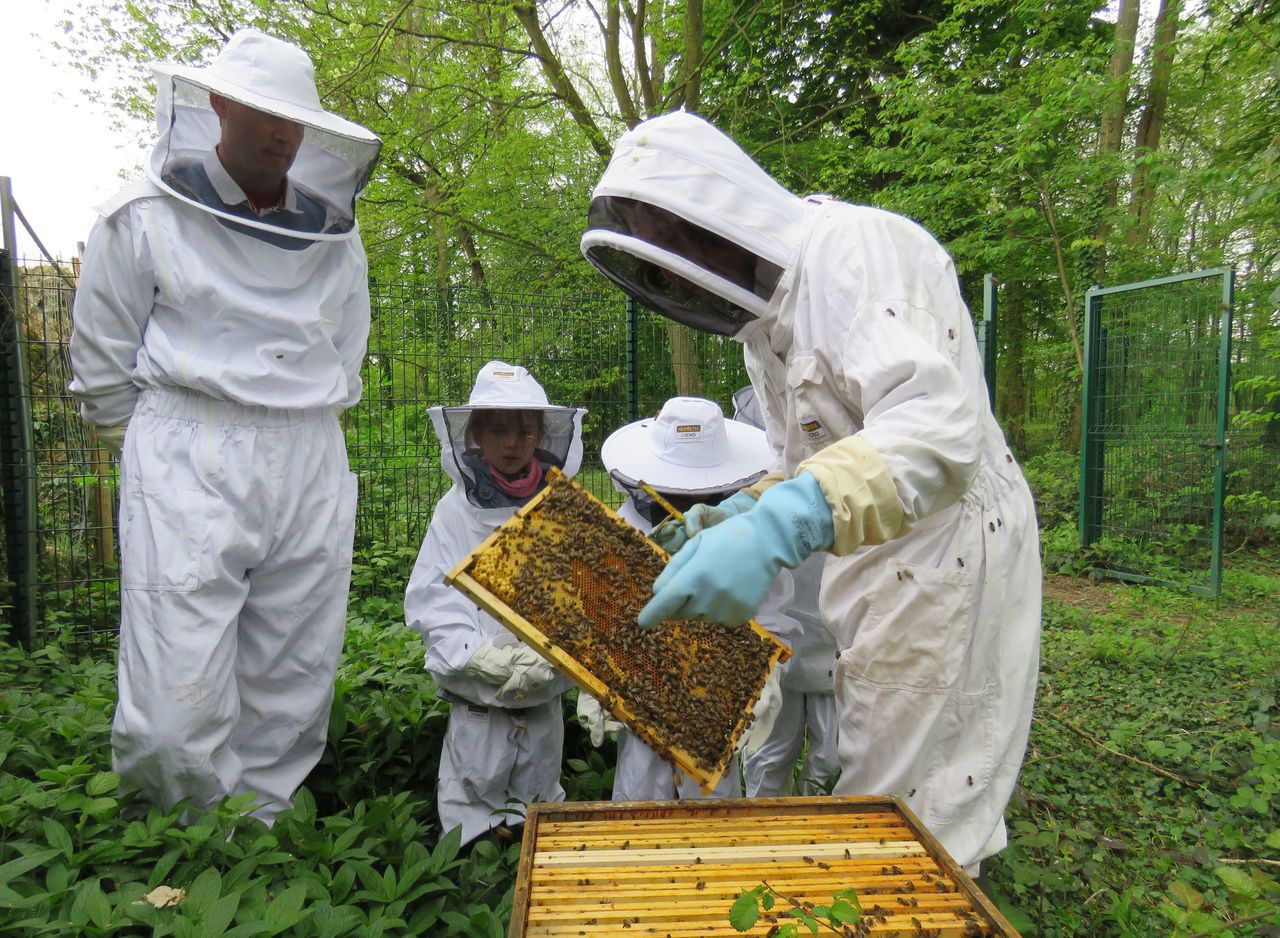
(230, 192)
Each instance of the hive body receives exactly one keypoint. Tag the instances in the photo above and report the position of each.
(675, 868)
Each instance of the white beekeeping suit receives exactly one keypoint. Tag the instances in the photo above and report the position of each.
(806, 721)
(688, 453)
(862, 354)
(505, 736)
(225, 336)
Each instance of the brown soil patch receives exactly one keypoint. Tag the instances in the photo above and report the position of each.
(1080, 592)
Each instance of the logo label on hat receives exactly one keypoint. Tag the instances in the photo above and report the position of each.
(813, 429)
(688, 431)
(503, 375)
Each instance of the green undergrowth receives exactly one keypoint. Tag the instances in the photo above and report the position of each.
(1148, 804)
(1150, 798)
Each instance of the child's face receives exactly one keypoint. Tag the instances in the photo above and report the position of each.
(508, 440)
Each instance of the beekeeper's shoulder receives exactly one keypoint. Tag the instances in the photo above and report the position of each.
(134, 192)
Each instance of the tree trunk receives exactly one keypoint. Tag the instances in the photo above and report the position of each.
(1111, 132)
(1149, 126)
(554, 71)
(684, 361)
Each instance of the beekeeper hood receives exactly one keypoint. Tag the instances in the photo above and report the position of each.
(687, 224)
(500, 386)
(269, 75)
(689, 449)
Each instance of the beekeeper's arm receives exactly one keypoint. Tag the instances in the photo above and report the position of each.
(460, 655)
(112, 307)
(917, 453)
(352, 337)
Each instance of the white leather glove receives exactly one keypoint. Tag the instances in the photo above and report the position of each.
(491, 664)
(529, 672)
(594, 719)
(111, 438)
(765, 713)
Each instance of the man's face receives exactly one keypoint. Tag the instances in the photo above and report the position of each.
(256, 148)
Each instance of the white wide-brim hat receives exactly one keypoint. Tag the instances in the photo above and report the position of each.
(270, 75)
(688, 448)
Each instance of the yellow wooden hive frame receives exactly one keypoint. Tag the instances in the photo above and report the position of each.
(461, 578)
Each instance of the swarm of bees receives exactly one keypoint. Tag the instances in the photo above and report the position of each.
(580, 575)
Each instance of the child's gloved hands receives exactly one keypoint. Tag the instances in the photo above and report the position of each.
(673, 533)
(595, 719)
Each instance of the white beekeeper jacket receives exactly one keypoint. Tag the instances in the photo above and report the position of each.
(493, 753)
(270, 309)
(863, 356)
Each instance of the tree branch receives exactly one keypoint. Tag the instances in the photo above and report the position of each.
(554, 71)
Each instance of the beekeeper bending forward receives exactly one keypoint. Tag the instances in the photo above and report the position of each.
(220, 323)
(505, 737)
(863, 357)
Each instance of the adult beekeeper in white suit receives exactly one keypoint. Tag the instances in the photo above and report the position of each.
(862, 354)
(505, 737)
(806, 723)
(219, 326)
(690, 455)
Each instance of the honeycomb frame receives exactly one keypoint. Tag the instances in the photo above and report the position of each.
(633, 668)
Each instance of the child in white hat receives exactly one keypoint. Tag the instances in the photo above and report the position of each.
(505, 738)
(690, 455)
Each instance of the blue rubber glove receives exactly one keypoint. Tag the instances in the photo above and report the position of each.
(723, 574)
(673, 533)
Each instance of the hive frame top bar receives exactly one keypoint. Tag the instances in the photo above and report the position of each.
(460, 578)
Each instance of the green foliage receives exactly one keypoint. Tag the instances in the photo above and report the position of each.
(839, 917)
(1054, 477)
(1102, 843)
(357, 855)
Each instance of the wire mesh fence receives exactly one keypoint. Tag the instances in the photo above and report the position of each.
(426, 346)
(1156, 390)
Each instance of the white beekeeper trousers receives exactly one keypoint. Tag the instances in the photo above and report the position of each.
(236, 530)
(643, 775)
(495, 761)
(804, 716)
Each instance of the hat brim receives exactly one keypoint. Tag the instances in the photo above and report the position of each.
(320, 120)
(629, 452)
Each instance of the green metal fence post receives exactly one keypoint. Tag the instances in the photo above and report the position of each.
(1220, 441)
(1090, 439)
(17, 455)
(633, 357)
(989, 334)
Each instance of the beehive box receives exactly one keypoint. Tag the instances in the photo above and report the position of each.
(674, 868)
(569, 576)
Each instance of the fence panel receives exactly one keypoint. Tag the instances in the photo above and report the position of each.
(1152, 455)
(425, 348)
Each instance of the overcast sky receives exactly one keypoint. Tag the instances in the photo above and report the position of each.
(56, 145)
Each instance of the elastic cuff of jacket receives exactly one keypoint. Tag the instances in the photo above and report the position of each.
(763, 484)
(864, 501)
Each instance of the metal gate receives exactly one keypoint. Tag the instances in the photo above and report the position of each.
(1152, 455)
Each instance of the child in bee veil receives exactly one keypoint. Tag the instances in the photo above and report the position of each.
(505, 736)
(690, 455)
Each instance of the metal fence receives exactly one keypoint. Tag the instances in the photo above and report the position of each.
(425, 348)
(1157, 391)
